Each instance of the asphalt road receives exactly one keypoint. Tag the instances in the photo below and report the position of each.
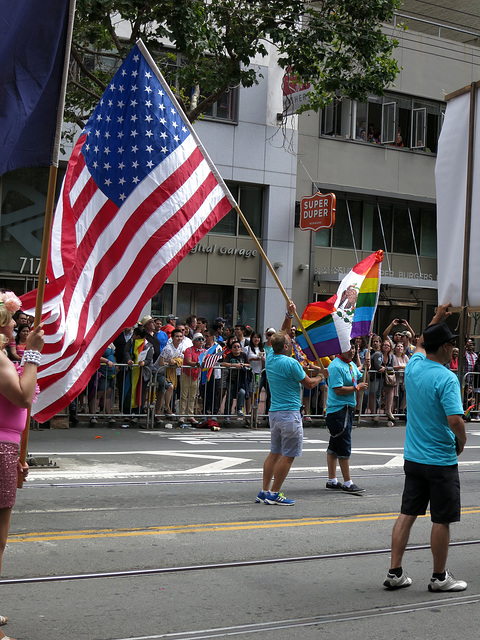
(156, 535)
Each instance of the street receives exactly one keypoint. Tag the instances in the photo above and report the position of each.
(170, 518)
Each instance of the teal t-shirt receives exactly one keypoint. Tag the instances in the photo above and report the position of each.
(284, 375)
(433, 393)
(341, 374)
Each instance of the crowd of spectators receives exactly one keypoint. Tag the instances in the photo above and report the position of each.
(166, 354)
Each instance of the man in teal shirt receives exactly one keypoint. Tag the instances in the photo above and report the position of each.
(344, 382)
(435, 436)
(285, 377)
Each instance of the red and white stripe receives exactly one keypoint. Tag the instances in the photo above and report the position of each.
(106, 262)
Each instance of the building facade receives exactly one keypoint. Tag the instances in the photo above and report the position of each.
(384, 188)
(378, 157)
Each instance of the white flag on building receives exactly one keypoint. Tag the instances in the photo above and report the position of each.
(451, 186)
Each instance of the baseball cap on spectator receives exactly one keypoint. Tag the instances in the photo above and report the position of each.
(270, 331)
(198, 336)
(437, 334)
(219, 319)
(146, 319)
(171, 317)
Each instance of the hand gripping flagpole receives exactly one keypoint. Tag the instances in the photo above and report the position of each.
(47, 227)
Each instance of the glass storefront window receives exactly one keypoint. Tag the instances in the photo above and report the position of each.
(403, 241)
(429, 234)
(382, 229)
(247, 307)
(162, 303)
(251, 205)
(23, 202)
(342, 231)
(250, 201)
(322, 237)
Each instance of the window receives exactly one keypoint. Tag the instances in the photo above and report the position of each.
(332, 119)
(345, 223)
(250, 201)
(401, 121)
(402, 236)
(381, 225)
(428, 244)
(247, 307)
(226, 108)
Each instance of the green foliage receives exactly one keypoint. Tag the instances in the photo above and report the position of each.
(337, 45)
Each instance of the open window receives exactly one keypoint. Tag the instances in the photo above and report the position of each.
(389, 123)
(419, 128)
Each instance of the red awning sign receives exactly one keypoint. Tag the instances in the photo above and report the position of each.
(317, 211)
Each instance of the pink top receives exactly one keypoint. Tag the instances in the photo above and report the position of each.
(21, 349)
(12, 421)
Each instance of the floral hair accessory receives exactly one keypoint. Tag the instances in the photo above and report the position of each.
(10, 300)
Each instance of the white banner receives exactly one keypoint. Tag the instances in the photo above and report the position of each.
(451, 188)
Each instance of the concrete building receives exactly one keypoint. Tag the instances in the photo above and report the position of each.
(385, 192)
(385, 189)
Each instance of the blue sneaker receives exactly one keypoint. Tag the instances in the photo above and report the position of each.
(261, 496)
(277, 498)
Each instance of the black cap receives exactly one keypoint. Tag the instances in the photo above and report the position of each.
(437, 334)
(219, 319)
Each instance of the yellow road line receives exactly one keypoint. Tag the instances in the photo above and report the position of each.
(49, 536)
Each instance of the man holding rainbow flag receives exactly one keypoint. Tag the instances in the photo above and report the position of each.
(331, 327)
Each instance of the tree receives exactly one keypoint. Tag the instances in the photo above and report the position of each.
(336, 45)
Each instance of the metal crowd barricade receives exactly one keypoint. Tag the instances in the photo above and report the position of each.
(116, 400)
(470, 395)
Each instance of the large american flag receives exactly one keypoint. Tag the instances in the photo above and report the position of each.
(139, 193)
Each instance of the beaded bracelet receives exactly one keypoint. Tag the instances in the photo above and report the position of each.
(288, 315)
(32, 356)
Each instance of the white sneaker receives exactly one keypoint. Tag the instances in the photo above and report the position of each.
(397, 582)
(449, 584)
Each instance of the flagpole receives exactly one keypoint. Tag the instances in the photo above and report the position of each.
(279, 284)
(47, 225)
(464, 318)
(42, 276)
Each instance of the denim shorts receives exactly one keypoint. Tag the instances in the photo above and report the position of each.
(286, 433)
(339, 425)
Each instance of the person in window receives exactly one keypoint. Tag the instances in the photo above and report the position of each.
(372, 134)
(399, 140)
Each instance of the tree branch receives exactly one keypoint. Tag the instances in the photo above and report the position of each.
(86, 71)
(84, 89)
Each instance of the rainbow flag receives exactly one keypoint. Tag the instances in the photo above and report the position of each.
(349, 313)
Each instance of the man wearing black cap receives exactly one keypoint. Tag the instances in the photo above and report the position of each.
(435, 435)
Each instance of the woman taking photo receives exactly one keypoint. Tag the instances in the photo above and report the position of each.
(382, 361)
(17, 389)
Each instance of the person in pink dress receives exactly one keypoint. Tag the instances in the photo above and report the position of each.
(17, 390)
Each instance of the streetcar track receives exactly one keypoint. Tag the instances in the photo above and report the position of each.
(348, 616)
(220, 480)
(224, 565)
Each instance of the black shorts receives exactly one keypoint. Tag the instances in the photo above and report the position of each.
(339, 425)
(426, 483)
